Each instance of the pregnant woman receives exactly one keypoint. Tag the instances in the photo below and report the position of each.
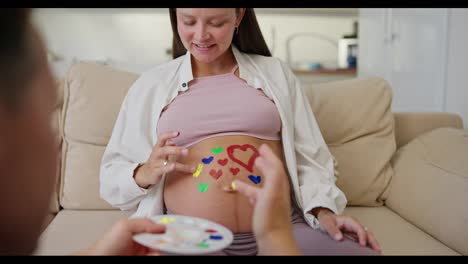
(191, 126)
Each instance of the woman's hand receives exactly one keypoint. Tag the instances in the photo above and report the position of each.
(339, 225)
(163, 160)
(119, 239)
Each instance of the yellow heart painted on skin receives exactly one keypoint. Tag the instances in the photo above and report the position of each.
(198, 170)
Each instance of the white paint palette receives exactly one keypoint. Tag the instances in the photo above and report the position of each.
(187, 235)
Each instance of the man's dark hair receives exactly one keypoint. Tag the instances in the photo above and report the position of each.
(16, 55)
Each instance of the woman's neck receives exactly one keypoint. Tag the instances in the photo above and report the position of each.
(224, 64)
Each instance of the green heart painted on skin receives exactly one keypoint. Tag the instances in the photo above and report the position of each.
(203, 187)
(217, 150)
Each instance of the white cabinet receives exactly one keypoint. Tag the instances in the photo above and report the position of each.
(407, 47)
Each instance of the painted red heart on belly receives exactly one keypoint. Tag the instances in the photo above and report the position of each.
(245, 147)
(222, 162)
(216, 174)
(234, 171)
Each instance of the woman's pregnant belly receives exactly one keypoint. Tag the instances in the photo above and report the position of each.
(206, 194)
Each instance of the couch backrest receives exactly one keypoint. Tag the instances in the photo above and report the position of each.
(354, 117)
(92, 97)
(357, 123)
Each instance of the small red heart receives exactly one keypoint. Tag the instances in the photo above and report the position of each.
(216, 174)
(222, 162)
(234, 170)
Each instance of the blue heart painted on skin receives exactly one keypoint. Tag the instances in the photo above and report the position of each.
(207, 160)
(255, 179)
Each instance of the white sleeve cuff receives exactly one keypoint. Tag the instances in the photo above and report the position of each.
(129, 183)
(311, 219)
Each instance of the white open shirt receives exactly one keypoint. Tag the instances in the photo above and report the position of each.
(308, 159)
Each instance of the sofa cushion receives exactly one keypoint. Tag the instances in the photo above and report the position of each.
(356, 121)
(409, 125)
(395, 235)
(92, 97)
(430, 185)
(80, 188)
(72, 231)
(75, 230)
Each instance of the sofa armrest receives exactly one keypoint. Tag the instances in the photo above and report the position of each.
(429, 187)
(57, 130)
(409, 125)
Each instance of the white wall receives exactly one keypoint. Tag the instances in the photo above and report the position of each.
(141, 36)
(305, 48)
(456, 99)
(425, 60)
(134, 37)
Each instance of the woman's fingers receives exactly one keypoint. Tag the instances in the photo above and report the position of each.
(351, 225)
(176, 167)
(184, 168)
(165, 151)
(373, 242)
(249, 191)
(329, 224)
(164, 137)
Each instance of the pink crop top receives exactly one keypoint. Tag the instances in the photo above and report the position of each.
(220, 105)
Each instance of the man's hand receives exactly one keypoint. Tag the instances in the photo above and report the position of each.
(118, 240)
(272, 206)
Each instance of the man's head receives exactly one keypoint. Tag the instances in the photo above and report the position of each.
(27, 144)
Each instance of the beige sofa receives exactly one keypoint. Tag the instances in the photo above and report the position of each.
(405, 174)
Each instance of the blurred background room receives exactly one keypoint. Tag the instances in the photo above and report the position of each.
(420, 52)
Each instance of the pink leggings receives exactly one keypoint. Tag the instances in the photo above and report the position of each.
(311, 242)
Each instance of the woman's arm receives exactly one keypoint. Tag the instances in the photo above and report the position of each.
(128, 147)
(315, 166)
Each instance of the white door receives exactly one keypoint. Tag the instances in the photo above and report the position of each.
(374, 51)
(414, 60)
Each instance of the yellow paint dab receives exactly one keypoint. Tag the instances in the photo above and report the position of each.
(198, 170)
(167, 220)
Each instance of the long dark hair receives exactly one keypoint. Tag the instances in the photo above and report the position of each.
(248, 39)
